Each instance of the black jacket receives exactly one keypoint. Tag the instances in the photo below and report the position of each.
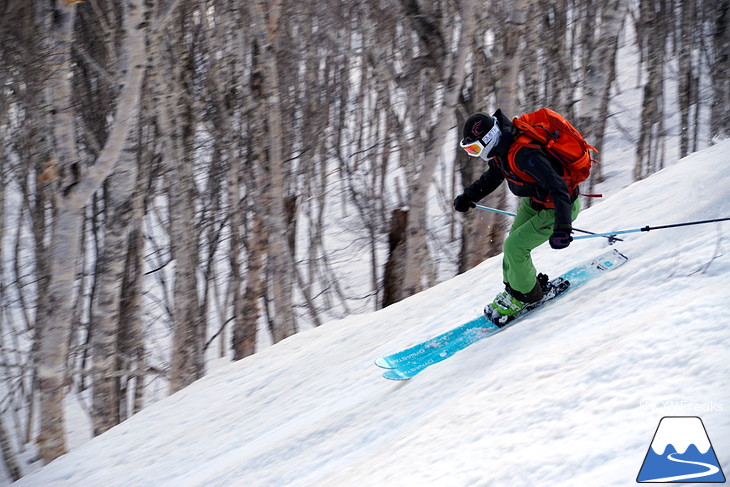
(532, 161)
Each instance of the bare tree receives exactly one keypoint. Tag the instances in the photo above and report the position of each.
(481, 232)
(720, 69)
(450, 69)
(8, 453)
(688, 84)
(655, 18)
(266, 16)
(107, 327)
(73, 191)
(180, 120)
(600, 44)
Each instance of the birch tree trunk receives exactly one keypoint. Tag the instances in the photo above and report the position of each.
(131, 346)
(265, 18)
(599, 73)
(687, 89)
(8, 453)
(482, 232)
(247, 316)
(417, 254)
(655, 19)
(510, 35)
(71, 199)
(54, 327)
(3, 184)
(395, 266)
(558, 63)
(187, 361)
(246, 298)
(720, 73)
(105, 410)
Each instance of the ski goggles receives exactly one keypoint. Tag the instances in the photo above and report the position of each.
(477, 148)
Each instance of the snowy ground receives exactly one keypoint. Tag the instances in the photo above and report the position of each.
(570, 396)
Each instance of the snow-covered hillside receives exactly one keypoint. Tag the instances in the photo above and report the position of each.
(570, 396)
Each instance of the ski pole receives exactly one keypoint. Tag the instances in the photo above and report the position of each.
(611, 238)
(648, 228)
(494, 210)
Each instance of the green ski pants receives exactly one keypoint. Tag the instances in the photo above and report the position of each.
(530, 229)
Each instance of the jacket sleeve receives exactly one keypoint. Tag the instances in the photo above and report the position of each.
(488, 182)
(535, 164)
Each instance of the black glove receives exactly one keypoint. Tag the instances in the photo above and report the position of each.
(462, 203)
(561, 236)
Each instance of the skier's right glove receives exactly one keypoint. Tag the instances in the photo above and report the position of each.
(561, 236)
(462, 203)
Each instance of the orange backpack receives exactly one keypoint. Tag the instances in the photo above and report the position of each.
(548, 130)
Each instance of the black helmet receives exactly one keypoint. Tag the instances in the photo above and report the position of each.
(477, 127)
(481, 134)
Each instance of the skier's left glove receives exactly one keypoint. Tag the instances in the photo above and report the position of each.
(462, 203)
(561, 236)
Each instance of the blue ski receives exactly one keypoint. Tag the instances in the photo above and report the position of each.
(407, 363)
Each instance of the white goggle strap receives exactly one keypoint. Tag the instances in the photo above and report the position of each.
(491, 138)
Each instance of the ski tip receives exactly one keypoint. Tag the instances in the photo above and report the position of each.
(383, 363)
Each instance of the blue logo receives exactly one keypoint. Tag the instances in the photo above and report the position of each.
(681, 452)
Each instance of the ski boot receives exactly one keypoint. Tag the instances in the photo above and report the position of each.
(510, 303)
(503, 309)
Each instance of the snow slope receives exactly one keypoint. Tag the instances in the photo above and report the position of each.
(570, 396)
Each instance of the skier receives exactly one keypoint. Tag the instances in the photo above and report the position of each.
(546, 212)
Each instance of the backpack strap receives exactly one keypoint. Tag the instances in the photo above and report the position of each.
(521, 178)
(520, 142)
